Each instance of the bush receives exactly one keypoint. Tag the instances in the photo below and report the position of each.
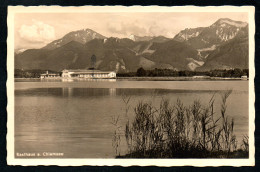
(141, 72)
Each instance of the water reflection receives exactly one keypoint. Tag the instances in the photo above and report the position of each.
(112, 91)
(96, 92)
(67, 92)
(63, 80)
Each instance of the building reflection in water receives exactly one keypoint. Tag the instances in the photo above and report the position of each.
(112, 91)
(67, 91)
(88, 92)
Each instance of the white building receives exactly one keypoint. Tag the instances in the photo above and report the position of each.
(244, 77)
(82, 73)
(49, 75)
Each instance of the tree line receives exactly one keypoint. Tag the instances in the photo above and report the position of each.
(141, 72)
(33, 73)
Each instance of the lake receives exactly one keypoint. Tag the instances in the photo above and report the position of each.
(75, 118)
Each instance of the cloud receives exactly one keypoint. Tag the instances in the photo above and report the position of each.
(37, 32)
(125, 29)
(156, 30)
(116, 28)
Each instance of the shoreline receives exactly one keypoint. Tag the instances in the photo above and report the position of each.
(177, 78)
(141, 79)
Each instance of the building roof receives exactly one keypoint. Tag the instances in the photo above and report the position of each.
(85, 71)
(50, 74)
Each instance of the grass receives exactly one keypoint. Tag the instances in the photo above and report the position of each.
(178, 131)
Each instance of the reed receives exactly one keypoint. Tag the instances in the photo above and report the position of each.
(178, 131)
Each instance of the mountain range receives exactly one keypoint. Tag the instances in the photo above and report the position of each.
(222, 45)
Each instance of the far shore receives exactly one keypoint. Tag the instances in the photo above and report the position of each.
(144, 78)
(175, 78)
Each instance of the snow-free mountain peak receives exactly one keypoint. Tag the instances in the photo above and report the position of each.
(207, 39)
(81, 36)
(223, 22)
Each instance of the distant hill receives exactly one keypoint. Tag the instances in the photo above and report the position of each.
(31, 59)
(112, 54)
(232, 54)
(149, 38)
(206, 39)
(159, 39)
(223, 45)
(188, 33)
(81, 36)
(56, 59)
(177, 54)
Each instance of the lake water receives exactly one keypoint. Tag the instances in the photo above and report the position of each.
(75, 118)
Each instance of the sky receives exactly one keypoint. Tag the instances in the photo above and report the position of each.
(35, 30)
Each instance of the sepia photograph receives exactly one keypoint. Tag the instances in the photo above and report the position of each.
(115, 85)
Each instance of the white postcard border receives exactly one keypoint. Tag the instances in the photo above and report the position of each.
(11, 160)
